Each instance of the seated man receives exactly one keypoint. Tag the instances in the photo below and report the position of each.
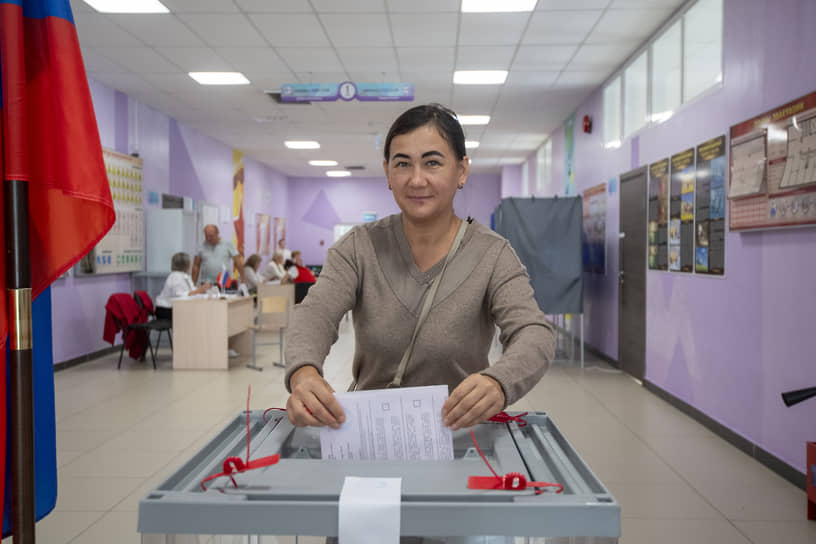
(178, 284)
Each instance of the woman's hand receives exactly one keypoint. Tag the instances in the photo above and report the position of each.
(473, 401)
(312, 401)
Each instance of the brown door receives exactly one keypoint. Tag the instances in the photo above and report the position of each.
(632, 273)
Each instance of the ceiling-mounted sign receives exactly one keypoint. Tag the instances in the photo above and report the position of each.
(347, 90)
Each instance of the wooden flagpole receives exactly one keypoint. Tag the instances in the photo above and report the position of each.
(18, 291)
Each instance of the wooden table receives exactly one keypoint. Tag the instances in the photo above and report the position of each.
(204, 330)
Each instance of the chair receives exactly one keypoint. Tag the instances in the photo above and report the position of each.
(272, 315)
(301, 289)
(153, 323)
(123, 314)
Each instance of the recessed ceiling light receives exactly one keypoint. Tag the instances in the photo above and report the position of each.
(497, 6)
(219, 78)
(323, 163)
(479, 77)
(471, 144)
(338, 173)
(473, 119)
(128, 6)
(301, 144)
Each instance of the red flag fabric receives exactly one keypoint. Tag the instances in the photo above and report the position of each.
(48, 138)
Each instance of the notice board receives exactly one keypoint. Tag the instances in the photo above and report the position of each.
(773, 168)
(122, 248)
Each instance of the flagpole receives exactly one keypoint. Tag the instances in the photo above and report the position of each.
(18, 291)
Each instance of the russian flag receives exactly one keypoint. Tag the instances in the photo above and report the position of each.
(49, 139)
(223, 278)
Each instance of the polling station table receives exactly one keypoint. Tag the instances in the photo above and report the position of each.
(299, 495)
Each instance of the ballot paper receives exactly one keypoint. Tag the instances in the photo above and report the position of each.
(369, 511)
(402, 424)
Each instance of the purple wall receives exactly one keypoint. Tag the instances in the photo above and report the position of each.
(727, 346)
(315, 205)
(177, 160)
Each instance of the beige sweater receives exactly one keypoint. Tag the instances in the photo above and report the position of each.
(371, 271)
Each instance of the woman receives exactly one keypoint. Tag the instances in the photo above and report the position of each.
(274, 269)
(178, 284)
(296, 272)
(383, 270)
(251, 276)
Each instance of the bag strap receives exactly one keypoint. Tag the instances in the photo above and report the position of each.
(426, 307)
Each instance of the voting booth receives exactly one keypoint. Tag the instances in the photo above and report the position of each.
(300, 494)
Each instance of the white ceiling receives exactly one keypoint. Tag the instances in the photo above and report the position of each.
(556, 56)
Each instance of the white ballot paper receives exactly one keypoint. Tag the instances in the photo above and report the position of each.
(369, 511)
(402, 424)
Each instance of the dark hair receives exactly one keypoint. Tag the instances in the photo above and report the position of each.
(442, 118)
(289, 263)
(180, 262)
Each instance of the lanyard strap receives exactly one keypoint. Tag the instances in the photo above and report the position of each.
(426, 307)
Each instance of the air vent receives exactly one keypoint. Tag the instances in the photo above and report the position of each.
(358, 167)
(276, 96)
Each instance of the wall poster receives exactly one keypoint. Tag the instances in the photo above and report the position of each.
(681, 212)
(122, 248)
(238, 204)
(710, 207)
(659, 215)
(263, 234)
(278, 232)
(773, 168)
(594, 231)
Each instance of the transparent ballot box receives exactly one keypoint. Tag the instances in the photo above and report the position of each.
(299, 495)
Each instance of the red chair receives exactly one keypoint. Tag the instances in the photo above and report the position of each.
(123, 314)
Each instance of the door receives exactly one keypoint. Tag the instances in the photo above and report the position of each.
(632, 273)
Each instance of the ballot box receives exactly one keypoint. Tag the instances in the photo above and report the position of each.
(299, 495)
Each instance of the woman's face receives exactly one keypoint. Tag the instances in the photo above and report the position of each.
(424, 173)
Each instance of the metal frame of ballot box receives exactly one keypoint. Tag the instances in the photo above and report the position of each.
(299, 495)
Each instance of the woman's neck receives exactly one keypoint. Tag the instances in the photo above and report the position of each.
(430, 241)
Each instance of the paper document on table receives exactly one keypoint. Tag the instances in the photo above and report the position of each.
(390, 424)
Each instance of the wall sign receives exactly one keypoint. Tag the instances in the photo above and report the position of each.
(347, 90)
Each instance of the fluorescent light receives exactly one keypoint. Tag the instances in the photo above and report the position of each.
(338, 173)
(471, 144)
(497, 6)
(479, 77)
(301, 144)
(614, 144)
(323, 163)
(219, 78)
(128, 6)
(473, 119)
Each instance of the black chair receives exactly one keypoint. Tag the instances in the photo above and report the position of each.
(301, 289)
(153, 324)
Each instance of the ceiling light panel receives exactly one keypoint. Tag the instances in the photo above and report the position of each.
(338, 173)
(473, 119)
(128, 6)
(220, 78)
(471, 144)
(497, 6)
(323, 163)
(479, 77)
(301, 144)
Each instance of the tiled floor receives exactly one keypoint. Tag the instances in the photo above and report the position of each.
(119, 433)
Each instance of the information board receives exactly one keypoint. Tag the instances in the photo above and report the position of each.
(709, 257)
(681, 212)
(773, 168)
(122, 248)
(659, 215)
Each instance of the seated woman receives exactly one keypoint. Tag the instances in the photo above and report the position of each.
(274, 269)
(251, 276)
(178, 284)
(296, 272)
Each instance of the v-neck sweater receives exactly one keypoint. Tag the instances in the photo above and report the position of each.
(371, 271)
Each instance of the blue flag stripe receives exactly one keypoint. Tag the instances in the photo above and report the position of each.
(40, 9)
